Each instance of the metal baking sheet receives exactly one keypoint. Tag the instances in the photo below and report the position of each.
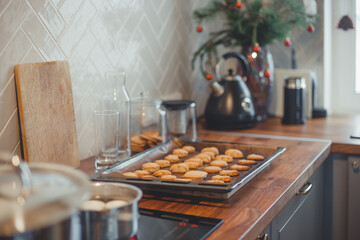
(196, 187)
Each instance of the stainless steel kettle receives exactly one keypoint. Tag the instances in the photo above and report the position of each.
(230, 105)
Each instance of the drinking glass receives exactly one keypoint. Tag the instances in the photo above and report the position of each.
(106, 130)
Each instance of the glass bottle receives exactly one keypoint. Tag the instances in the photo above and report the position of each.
(118, 99)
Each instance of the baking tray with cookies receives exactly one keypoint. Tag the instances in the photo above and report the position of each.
(193, 167)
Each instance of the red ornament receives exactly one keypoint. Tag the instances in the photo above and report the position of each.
(199, 29)
(267, 73)
(287, 42)
(256, 48)
(311, 28)
(208, 76)
(238, 4)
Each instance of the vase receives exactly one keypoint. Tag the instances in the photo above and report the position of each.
(260, 79)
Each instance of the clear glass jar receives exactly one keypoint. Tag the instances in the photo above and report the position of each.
(117, 98)
(147, 123)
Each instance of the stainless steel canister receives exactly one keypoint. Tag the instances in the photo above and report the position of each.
(294, 100)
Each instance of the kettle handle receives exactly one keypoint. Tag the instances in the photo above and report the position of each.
(238, 56)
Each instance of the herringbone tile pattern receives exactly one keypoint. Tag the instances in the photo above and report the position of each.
(149, 39)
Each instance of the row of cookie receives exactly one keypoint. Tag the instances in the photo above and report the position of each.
(165, 175)
(214, 152)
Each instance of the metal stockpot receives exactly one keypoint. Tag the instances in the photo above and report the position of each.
(115, 223)
(38, 202)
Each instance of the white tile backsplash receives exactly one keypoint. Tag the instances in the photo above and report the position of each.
(149, 39)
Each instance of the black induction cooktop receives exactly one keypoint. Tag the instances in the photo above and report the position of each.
(155, 224)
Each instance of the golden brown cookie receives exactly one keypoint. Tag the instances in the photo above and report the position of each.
(160, 173)
(229, 173)
(130, 174)
(212, 169)
(214, 181)
(235, 153)
(172, 158)
(205, 158)
(239, 167)
(179, 168)
(221, 178)
(162, 163)
(192, 165)
(150, 167)
(214, 150)
(195, 174)
(210, 154)
(189, 149)
(180, 152)
(246, 162)
(218, 163)
(197, 160)
(256, 157)
(168, 177)
(141, 173)
(184, 180)
(225, 158)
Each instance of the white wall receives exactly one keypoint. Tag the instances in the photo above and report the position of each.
(149, 39)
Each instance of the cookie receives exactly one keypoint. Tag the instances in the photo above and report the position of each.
(212, 169)
(141, 173)
(160, 173)
(239, 167)
(179, 168)
(162, 163)
(221, 178)
(172, 158)
(218, 163)
(214, 150)
(168, 177)
(189, 149)
(256, 157)
(205, 158)
(246, 162)
(235, 153)
(191, 165)
(150, 167)
(183, 180)
(225, 158)
(130, 174)
(197, 160)
(210, 154)
(214, 181)
(195, 174)
(229, 173)
(180, 152)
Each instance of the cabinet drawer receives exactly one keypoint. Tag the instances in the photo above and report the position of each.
(302, 218)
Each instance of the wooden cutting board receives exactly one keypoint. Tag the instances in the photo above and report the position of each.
(47, 119)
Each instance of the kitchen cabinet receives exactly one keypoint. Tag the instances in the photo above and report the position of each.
(346, 196)
(303, 217)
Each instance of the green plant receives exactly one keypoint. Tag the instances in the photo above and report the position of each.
(248, 23)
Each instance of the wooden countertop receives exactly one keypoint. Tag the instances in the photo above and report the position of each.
(252, 208)
(335, 128)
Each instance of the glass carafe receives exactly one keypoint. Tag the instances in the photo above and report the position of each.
(117, 98)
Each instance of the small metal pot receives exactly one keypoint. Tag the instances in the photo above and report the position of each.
(113, 223)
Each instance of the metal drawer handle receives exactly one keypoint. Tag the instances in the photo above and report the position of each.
(263, 237)
(307, 188)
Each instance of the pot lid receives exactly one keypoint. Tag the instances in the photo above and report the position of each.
(55, 193)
